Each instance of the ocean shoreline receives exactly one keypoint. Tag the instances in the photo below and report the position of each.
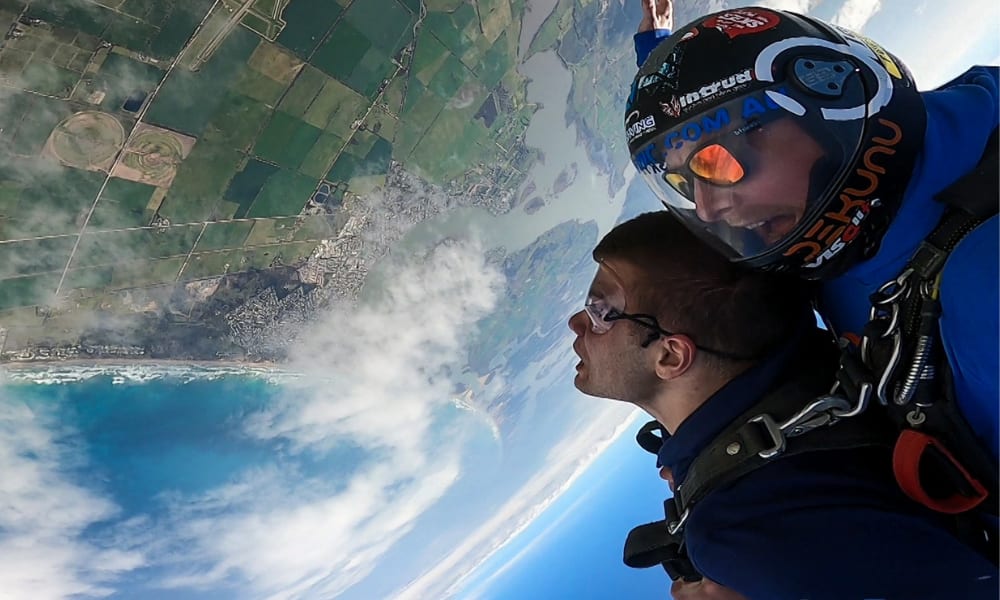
(108, 362)
(141, 371)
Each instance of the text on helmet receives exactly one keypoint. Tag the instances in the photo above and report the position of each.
(831, 233)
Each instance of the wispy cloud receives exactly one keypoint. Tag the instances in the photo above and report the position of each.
(962, 37)
(44, 511)
(563, 465)
(799, 6)
(854, 14)
(379, 373)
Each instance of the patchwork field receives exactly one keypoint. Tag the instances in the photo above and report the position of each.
(153, 143)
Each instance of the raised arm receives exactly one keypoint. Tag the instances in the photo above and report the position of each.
(656, 14)
(656, 23)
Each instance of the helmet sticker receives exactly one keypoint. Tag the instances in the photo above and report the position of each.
(743, 21)
(884, 57)
(635, 125)
(672, 107)
(665, 77)
(681, 103)
(651, 157)
(831, 233)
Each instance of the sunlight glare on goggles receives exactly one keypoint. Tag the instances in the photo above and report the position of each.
(715, 164)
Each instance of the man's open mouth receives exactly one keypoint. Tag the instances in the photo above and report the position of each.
(773, 229)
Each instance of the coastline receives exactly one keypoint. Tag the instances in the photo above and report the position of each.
(153, 362)
(140, 371)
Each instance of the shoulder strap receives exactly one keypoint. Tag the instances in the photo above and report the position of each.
(937, 430)
(971, 200)
(754, 440)
(766, 433)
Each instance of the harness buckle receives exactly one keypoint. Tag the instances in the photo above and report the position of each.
(773, 430)
(675, 526)
(825, 410)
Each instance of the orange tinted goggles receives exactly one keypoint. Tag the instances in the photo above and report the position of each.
(713, 164)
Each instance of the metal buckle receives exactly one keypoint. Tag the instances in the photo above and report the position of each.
(674, 526)
(825, 410)
(777, 437)
(864, 396)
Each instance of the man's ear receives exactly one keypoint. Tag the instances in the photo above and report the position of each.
(675, 355)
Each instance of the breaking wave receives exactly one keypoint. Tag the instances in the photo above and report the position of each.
(125, 373)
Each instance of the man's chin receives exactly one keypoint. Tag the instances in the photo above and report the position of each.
(583, 385)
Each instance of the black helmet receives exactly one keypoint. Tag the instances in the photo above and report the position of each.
(784, 142)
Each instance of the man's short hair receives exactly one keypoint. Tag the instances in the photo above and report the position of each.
(694, 290)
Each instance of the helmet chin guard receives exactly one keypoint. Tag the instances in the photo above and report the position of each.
(784, 142)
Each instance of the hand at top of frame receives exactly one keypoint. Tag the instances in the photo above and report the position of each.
(656, 14)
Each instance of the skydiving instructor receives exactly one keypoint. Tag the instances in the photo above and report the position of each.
(791, 145)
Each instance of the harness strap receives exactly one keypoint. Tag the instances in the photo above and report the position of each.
(938, 461)
(971, 465)
(757, 441)
(648, 439)
(753, 441)
(755, 438)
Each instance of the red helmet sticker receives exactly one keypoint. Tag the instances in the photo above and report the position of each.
(689, 35)
(742, 21)
(672, 107)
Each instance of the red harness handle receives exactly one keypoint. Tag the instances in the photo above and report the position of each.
(906, 457)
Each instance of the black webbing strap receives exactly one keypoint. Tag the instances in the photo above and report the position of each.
(649, 545)
(745, 446)
(650, 437)
(652, 544)
(970, 201)
(721, 463)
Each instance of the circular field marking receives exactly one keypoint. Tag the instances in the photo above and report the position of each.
(87, 140)
(154, 154)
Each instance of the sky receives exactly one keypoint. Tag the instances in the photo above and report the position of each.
(410, 525)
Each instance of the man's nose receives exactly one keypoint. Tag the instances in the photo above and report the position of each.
(711, 201)
(578, 322)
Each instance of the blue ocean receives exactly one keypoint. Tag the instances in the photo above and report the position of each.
(166, 434)
(163, 485)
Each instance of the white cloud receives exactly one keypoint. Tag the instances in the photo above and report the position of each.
(958, 38)
(564, 464)
(388, 363)
(379, 373)
(44, 512)
(854, 14)
(799, 6)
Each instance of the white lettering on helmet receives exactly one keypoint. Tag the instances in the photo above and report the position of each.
(639, 127)
(726, 84)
